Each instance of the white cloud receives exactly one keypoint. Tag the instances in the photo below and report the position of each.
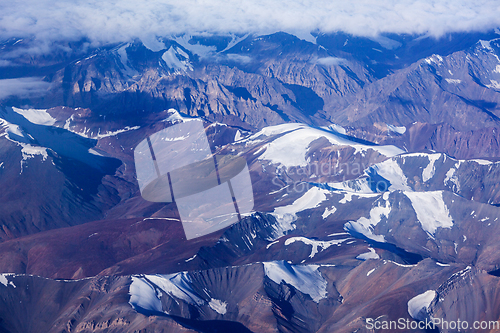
(329, 61)
(121, 20)
(239, 58)
(22, 87)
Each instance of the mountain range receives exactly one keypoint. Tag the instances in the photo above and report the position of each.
(374, 165)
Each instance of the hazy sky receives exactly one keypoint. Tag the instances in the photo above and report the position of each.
(121, 20)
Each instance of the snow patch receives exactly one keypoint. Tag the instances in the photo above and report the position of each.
(27, 150)
(418, 305)
(113, 133)
(349, 195)
(235, 40)
(291, 148)
(143, 295)
(271, 244)
(304, 35)
(305, 278)
(481, 162)
(347, 198)
(323, 245)
(391, 171)
(430, 169)
(431, 211)
(365, 225)
(192, 258)
(237, 136)
(122, 54)
(441, 264)
(460, 274)
(396, 129)
(146, 290)
(486, 45)
(99, 135)
(368, 255)
(94, 152)
(286, 215)
(360, 187)
(177, 285)
(328, 212)
(400, 265)
(5, 282)
(435, 58)
(453, 81)
(175, 117)
(494, 84)
(152, 43)
(338, 234)
(171, 59)
(218, 306)
(337, 128)
(198, 49)
(40, 117)
(451, 177)
(30, 151)
(12, 129)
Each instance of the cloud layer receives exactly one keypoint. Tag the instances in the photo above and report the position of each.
(121, 20)
(22, 87)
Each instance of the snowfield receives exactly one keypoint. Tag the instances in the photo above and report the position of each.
(39, 117)
(431, 210)
(305, 278)
(419, 304)
(291, 148)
